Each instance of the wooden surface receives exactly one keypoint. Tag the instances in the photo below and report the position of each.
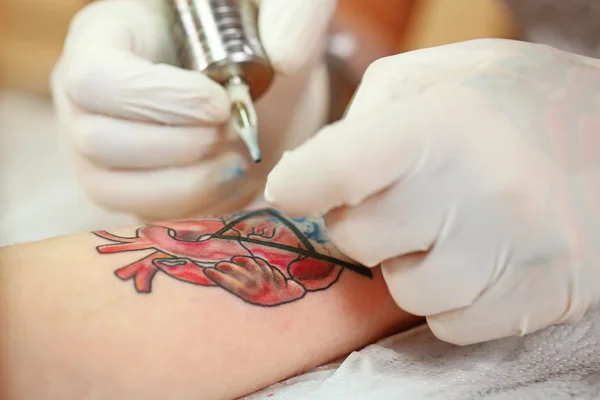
(31, 37)
(438, 22)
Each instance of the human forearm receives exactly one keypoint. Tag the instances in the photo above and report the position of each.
(71, 329)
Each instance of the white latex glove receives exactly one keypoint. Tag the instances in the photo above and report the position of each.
(149, 138)
(470, 173)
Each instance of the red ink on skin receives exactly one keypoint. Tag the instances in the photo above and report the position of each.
(260, 259)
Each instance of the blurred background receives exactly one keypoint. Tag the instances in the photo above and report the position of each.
(39, 197)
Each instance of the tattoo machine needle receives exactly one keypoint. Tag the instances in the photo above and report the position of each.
(220, 39)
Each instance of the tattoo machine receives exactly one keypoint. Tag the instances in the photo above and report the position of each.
(220, 39)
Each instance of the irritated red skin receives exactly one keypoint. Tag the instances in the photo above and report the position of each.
(191, 252)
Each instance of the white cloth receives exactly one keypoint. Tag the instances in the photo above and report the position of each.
(561, 362)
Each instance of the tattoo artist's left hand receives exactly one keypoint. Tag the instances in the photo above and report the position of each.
(470, 172)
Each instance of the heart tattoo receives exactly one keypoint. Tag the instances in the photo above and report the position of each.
(261, 256)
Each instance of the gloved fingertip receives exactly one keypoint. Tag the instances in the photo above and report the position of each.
(275, 189)
(268, 196)
(287, 191)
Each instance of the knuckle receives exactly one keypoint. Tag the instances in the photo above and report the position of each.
(86, 16)
(82, 17)
(76, 76)
(85, 139)
(89, 138)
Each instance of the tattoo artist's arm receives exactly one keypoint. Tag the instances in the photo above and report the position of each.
(210, 308)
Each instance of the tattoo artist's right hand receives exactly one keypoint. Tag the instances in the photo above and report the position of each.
(471, 173)
(148, 138)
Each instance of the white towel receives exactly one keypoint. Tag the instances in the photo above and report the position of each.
(561, 362)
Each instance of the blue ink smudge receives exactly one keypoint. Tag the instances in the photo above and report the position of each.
(311, 230)
(233, 172)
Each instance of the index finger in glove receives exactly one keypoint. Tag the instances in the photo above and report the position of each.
(383, 135)
(107, 68)
(351, 160)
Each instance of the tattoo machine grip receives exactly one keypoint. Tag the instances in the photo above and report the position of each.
(220, 39)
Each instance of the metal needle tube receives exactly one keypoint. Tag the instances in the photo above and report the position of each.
(244, 116)
(220, 39)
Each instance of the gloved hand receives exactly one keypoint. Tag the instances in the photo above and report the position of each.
(148, 138)
(470, 173)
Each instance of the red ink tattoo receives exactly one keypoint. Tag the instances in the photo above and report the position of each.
(261, 257)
